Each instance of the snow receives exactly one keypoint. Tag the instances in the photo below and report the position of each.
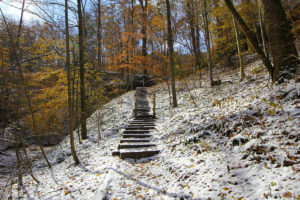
(238, 140)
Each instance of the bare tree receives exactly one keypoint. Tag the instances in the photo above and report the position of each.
(207, 41)
(171, 56)
(76, 160)
(238, 44)
(83, 114)
(262, 32)
(99, 36)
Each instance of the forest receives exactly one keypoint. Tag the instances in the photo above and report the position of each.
(223, 86)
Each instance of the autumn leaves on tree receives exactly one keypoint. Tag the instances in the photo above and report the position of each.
(64, 64)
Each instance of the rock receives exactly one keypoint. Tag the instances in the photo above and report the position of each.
(46, 140)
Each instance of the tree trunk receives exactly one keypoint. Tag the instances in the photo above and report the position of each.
(144, 31)
(250, 36)
(207, 41)
(262, 32)
(171, 50)
(18, 156)
(83, 115)
(75, 158)
(191, 20)
(198, 61)
(242, 69)
(284, 53)
(99, 36)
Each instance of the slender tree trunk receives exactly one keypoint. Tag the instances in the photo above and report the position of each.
(283, 49)
(242, 69)
(99, 36)
(18, 156)
(83, 114)
(198, 49)
(171, 50)
(250, 36)
(207, 41)
(262, 32)
(68, 65)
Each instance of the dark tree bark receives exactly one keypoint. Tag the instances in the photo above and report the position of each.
(144, 31)
(281, 40)
(191, 18)
(171, 57)
(83, 114)
(207, 41)
(68, 66)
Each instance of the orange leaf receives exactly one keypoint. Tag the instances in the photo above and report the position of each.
(287, 194)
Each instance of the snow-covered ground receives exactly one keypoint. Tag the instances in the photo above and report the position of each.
(239, 140)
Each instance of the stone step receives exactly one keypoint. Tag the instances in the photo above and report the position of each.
(134, 140)
(139, 127)
(136, 131)
(115, 153)
(143, 117)
(137, 153)
(142, 122)
(141, 109)
(136, 135)
(135, 145)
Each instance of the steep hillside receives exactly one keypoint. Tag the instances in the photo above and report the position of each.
(239, 140)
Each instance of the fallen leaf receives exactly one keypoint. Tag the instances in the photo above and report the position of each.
(287, 194)
(226, 188)
(98, 174)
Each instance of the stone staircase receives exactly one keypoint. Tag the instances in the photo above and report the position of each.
(137, 137)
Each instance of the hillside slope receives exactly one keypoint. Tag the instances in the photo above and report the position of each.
(236, 141)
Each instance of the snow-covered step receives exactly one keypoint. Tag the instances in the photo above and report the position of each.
(136, 135)
(143, 123)
(141, 110)
(139, 127)
(144, 117)
(143, 120)
(134, 140)
(115, 153)
(135, 145)
(136, 131)
(138, 153)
